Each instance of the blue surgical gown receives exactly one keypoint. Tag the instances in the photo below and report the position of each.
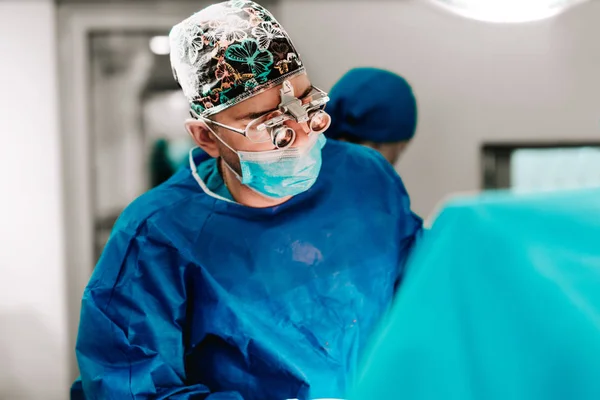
(196, 297)
(501, 301)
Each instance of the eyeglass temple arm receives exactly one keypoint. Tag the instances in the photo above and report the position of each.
(236, 130)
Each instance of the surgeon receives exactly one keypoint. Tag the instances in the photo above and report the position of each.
(249, 275)
(375, 108)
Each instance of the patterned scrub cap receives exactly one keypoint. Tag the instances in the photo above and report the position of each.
(229, 52)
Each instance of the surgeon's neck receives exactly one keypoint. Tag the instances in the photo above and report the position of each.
(243, 194)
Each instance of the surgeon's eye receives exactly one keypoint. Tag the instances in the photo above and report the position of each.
(271, 115)
(259, 130)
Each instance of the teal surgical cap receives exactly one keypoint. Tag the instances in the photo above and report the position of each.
(371, 104)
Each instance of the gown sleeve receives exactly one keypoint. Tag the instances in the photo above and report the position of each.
(133, 318)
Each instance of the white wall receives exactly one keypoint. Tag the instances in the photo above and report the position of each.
(33, 349)
(474, 82)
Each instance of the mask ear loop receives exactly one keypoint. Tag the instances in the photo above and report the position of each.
(235, 173)
(199, 180)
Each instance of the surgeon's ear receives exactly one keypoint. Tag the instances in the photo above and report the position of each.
(203, 136)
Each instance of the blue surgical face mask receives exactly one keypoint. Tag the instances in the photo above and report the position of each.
(281, 173)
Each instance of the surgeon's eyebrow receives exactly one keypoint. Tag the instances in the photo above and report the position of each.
(256, 114)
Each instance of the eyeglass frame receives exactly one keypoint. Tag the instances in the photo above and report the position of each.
(289, 104)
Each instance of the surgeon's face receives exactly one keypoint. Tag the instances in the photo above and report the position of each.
(240, 115)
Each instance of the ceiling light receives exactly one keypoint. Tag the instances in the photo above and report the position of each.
(160, 45)
(507, 11)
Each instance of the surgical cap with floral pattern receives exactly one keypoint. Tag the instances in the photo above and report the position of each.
(229, 52)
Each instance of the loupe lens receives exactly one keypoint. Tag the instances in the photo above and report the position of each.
(283, 137)
(320, 121)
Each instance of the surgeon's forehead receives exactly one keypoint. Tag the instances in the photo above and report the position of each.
(269, 100)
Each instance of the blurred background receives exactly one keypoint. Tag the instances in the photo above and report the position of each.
(91, 118)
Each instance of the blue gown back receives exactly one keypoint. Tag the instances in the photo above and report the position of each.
(501, 301)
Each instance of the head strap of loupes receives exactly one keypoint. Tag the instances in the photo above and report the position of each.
(230, 52)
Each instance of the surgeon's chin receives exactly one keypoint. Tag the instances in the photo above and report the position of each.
(292, 191)
(270, 201)
(241, 193)
(252, 198)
